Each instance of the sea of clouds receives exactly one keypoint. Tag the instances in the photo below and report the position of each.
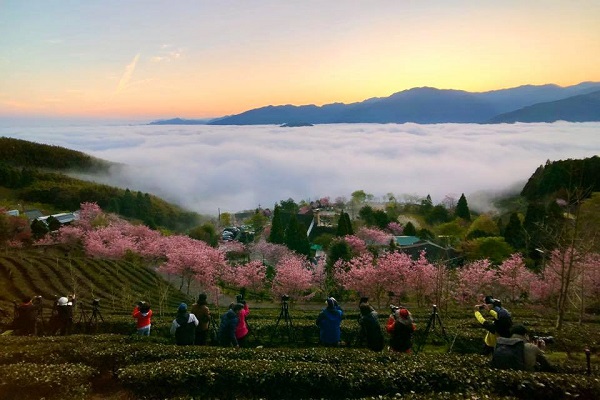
(233, 168)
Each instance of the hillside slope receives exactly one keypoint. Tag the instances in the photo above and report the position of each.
(117, 284)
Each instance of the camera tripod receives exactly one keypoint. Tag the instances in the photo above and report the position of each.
(93, 322)
(287, 320)
(433, 319)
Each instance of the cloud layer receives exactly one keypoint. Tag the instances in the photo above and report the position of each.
(233, 168)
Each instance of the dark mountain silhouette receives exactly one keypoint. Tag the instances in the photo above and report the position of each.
(423, 105)
(582, 108)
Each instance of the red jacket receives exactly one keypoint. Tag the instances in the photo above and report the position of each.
(143, 319)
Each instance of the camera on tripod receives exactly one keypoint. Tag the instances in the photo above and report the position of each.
(95, 303)
(546, 339)
(285, 298)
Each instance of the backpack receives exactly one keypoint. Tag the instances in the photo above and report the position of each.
(509, 354)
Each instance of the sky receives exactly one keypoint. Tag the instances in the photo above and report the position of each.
(233, 168)
(142, 60)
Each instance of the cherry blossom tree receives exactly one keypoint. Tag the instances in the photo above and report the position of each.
(357, 245)
(474, 280)
(421, 279)
(293, 276)
(395, 228)
(514, 279)
(374, 236)
(250, 275)
(193, 259)
(268, 253)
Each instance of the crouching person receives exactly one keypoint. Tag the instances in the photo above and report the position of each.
(518, 353)
(184, 326)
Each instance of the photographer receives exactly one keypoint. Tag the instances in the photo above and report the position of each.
(62, 320)
(518, 353)
(25, 316)
(229, 322)
(489, 341)
(184, 326)
(400, 326)
(142, 313)
(329, 322)
(201, 311)
(241, 330)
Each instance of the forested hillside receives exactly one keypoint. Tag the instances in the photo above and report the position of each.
(34, 173)
(35, 155)
(563, 179)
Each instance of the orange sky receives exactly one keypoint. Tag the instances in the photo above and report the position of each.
(198, 59)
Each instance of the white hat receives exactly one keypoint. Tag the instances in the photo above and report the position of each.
(63, 301)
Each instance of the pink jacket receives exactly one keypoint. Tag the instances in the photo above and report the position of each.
(241, 329)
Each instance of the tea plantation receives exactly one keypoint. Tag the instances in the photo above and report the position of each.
(281, 360)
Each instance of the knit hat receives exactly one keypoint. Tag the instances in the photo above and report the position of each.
(63, 301)
(182, 307)
(330, 302)
(403, 313)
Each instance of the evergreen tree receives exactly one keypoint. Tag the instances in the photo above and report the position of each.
(348, 224)
(462, 208)
(514, 233)
(38, 229)
(295, 237)
(344, 226)
(409, 229)
(277, 228)
(53, 223)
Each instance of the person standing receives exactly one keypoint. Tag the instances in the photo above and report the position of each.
(229, 322)
(241, 330)
(400, 326)
(202, 312)
(329, 322)
(64, 315)
(142, 313)
(184, 326)
(25, 317)
(369, 327)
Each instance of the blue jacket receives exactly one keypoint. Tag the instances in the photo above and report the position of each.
(329, 321)
(229, 322)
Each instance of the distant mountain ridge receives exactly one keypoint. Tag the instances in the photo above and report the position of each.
(427, 105)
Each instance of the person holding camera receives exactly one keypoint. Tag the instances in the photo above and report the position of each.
(142, 313)
(25, 316)
(401, 327)
(184, 326)
(63, 318)
(500, 324)
(329, 322)
(201, 311)
(519, 353)
(241, 330)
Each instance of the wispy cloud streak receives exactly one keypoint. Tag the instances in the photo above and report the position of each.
(128, 74)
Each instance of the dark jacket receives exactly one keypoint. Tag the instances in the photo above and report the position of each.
(401, 333)
(329, 322)
(371, 331)
(229, 322)
(184, 328)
